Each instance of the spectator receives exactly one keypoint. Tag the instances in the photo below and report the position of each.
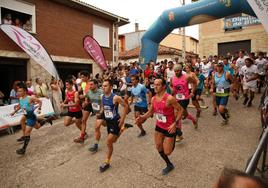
(133, 70)
(30, 87)
(41, 88)
(27, 26)
(18, 23)
(231, 178)
(56, 96)
(1, 98)
(14, 98)
(7, 19)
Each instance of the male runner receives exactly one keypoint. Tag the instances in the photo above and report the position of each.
(168, 113)
(221, 83)
(26, 103)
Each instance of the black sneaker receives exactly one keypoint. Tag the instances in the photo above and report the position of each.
(127, 125)
(249, 104)
(143, 133)
(245, 101)
(168, 169)
(94, 148)
(20, 151)
(21, 139)
(104, 167)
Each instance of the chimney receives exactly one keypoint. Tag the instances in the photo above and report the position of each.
(136, 27)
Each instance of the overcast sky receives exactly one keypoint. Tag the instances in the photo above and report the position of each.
(144, 12)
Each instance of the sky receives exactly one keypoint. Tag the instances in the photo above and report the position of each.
(144, 12)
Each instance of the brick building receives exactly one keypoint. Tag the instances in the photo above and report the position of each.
(60, 26)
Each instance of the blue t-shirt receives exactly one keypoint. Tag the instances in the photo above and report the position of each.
(202, 79)
(139, 95)
(133, 71)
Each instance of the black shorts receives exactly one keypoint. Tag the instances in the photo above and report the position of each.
(113, 127)
(184, 103)
(76, 115)
(88, 108)
(142, 110)
(101, 116)
(165, 132)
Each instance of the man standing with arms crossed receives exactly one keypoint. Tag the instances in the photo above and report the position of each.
(168, 113)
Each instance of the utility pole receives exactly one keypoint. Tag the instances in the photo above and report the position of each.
(183, 40)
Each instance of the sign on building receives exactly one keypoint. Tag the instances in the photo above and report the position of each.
(240, 21)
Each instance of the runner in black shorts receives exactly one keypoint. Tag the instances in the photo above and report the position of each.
(168, 113)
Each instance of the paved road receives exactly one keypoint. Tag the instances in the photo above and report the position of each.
(53, 160)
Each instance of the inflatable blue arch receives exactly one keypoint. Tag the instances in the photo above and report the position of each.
(191, 14)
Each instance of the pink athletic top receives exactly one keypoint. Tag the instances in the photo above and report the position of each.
(180, 88)
(164, 115)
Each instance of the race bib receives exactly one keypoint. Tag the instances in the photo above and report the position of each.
(96, 106)
(152, 86)
(114, 86)
(180, 96)
(219, 90)
(161, 118)
(137, 100)
(129, 88)
(108, 114)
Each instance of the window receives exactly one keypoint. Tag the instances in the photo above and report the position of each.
(19, 13)
(102, 35)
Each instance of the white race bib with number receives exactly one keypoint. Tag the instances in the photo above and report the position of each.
(152, 86)
(180, 96)
(115, 87)
(219, 90)
(129, 88)
(137, 100)
(95, 106)
(108, 114)
(161, 118)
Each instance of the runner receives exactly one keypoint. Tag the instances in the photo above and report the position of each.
(168, 113)
(180, 86)
(240, 62)
(138, 95)
(190, 73)
(249, 76)
(200, 86)
(221, 84)
(72, 102)
(205, 68)
(261, 65)
(26, 103)
(114, 121)
(94, 96)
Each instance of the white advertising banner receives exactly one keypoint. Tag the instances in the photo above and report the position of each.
(31, 46)
(7, 120)
(260, 8)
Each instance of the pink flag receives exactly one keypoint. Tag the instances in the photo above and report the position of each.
(93, 48)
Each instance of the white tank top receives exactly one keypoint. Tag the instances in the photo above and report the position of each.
(170, 74)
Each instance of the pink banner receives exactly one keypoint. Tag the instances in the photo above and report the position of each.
(93, 48)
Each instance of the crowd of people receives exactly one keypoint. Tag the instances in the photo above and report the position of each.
(163, 90)
(26, 25)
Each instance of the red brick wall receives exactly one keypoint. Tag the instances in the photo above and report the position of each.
(61, 30)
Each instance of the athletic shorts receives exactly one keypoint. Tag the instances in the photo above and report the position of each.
(100, 116)
(88, 108)
(165, 132)
(31, 119)
(198, 92)
(113, 127)
(184, 103)
(142, 110)
(249, 87)
(76, 115)
(222, 100)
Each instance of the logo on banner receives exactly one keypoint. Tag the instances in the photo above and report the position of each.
(93, 48)
(227, 3)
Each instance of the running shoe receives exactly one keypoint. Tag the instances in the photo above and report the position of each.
(168, 169)
(104, 167)
(21, 139)
(94, 148)
(227, 114)
(249, 104)
(128, 125)
(143, 133)
(20, 151)
(179, 138)
(224, 122)
(79, 140)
